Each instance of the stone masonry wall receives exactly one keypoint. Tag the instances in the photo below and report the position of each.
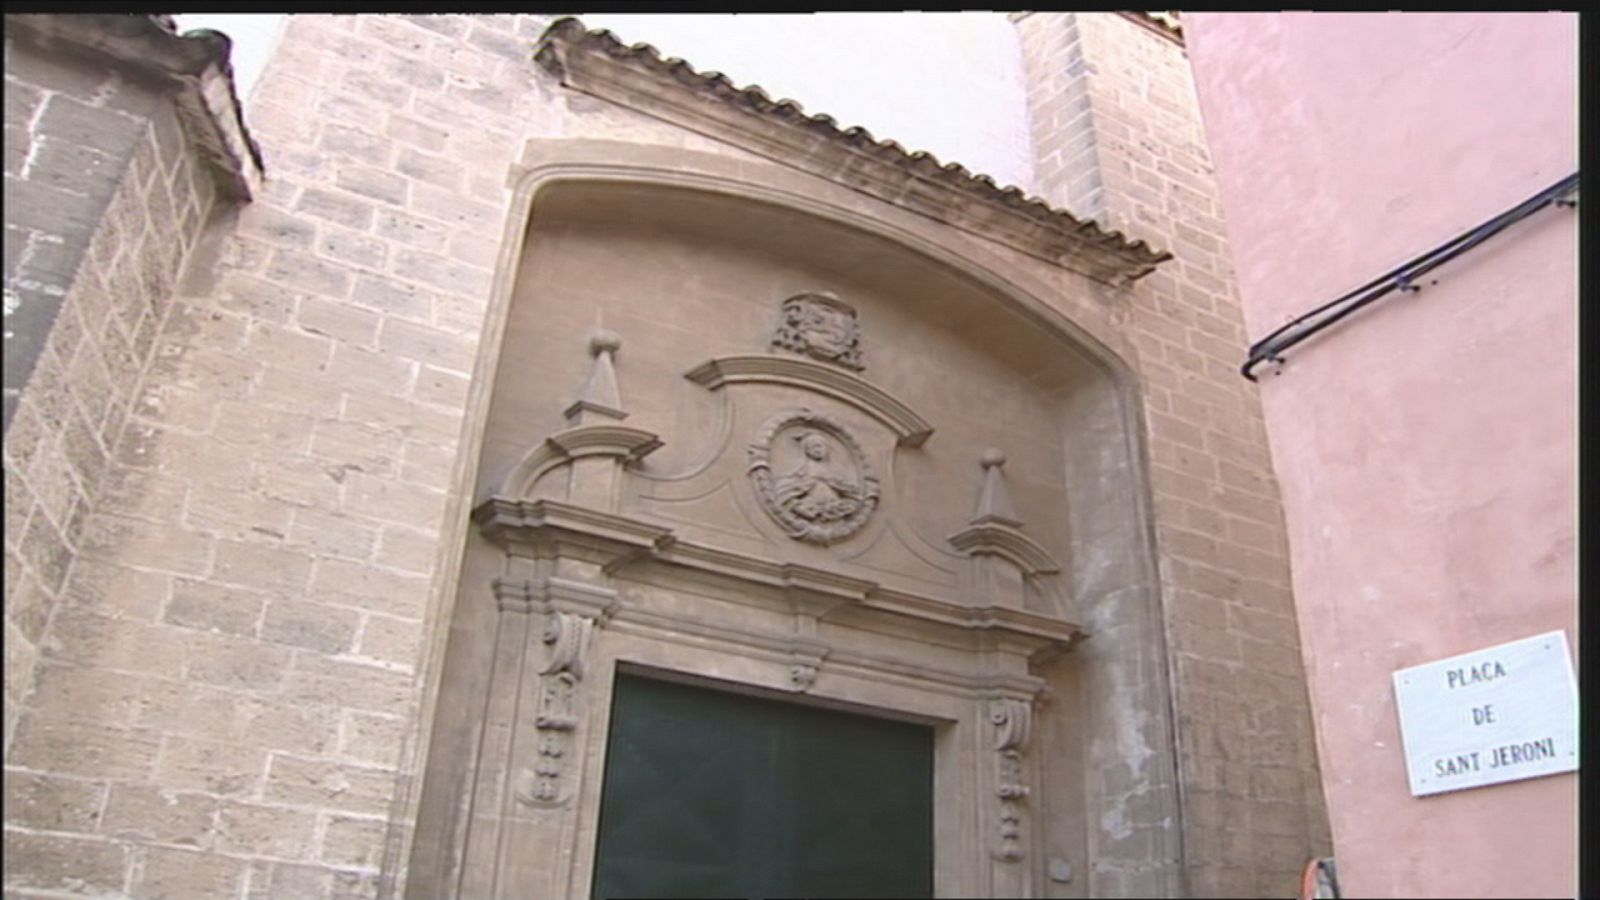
(230, 706)
(224, 698)
(227, 700)
(105, 200)
(1118, 137)
(72, 126)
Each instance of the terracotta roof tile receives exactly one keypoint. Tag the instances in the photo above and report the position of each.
(1053, 234)
(1164, 22)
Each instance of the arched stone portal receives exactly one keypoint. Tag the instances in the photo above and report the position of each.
(739, 425)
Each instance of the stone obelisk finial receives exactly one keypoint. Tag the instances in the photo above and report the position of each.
(599, 398)
(994, 501)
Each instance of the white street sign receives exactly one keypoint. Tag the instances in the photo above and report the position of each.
(1500, 714)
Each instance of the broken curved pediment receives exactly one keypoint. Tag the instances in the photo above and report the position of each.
(910, 428)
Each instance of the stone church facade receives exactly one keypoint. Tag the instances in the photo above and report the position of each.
(365, 455)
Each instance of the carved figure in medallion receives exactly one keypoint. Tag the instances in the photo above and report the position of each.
(822, 326)
(813, 492)
(825, 493)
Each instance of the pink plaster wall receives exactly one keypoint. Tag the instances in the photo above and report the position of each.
(1425, 447)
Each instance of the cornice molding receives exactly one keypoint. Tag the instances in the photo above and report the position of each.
(625, 441)
(636, 76)
(910, 428)
(522, 522)
(559, 594)
(1006, 541)
(698, 633)
(605, 439)
(499, 516)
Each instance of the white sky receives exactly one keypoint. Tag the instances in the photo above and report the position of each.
(253, 35)
(947, 83)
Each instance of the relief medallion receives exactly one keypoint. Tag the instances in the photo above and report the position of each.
(812, 477)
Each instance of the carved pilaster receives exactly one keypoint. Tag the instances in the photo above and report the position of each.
(527, 774)
(1012, 721)
(544, 661)
(566, 637)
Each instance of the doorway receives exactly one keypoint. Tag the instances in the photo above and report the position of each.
(590, 551)
(708, 793)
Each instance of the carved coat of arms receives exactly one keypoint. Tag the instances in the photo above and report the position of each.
(812, 477)
(821, 326)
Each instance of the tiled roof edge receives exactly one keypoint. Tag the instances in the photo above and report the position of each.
(208, 102)
(1167, 24)
(597, 62)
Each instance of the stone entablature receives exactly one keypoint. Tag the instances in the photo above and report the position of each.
(637, 540)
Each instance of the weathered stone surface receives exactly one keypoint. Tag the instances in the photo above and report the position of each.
(256, 830)
(210, 767)
(235, 490)
(353, 842)
(106, 162)
(48, 803)
(313, 626)
(174, 874)
(149, 814)
(1115, 100)
(58, 863)
(328, 785)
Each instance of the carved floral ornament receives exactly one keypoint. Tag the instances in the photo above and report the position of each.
(821, 326)
(812, 477)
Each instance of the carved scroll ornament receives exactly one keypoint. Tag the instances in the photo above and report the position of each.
(567, 636)
(1013, 721)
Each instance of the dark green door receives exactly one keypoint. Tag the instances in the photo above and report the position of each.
(713, 794)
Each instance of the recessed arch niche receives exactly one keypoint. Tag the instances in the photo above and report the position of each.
(1007, 598)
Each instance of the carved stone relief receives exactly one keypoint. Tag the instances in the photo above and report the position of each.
(1012, 720)
(812, 477)
(821, 326)
(1005, 563)
(802, 676)
(567, 636)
